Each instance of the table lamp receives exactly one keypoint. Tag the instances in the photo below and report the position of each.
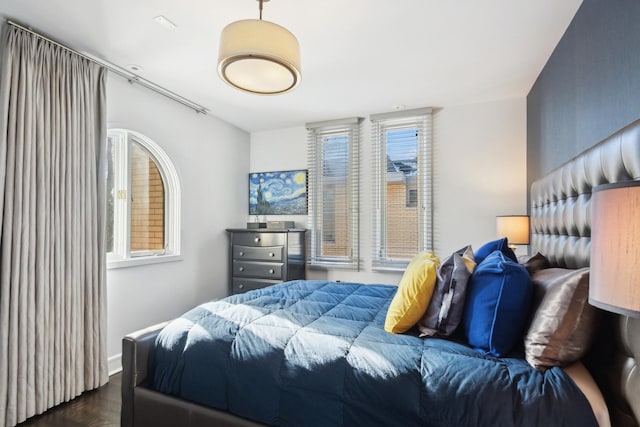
(515, 228)
(614, 282)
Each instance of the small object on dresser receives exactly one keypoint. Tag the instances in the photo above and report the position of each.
(255, 225)
(281, 225)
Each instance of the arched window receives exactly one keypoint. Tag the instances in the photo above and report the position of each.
(143, 201)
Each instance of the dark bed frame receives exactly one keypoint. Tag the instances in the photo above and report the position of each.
(142, 406)
(560, 221)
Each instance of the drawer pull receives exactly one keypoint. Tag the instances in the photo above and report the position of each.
(271, 254)
(257, 239)
(240, 286)
(240, 253)
(271, 271)
(241, 269)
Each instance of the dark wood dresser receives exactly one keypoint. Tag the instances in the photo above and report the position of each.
(263, 257)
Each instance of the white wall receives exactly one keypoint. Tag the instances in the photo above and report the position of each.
(481, 172)
(481, 150)
(212, 160)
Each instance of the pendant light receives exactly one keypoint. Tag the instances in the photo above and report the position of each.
(259, 56)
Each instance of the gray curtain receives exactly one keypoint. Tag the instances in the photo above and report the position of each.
(52, 262)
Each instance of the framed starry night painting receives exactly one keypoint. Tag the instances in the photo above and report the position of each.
(278, 193)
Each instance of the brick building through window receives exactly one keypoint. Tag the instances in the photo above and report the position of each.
(147, 202)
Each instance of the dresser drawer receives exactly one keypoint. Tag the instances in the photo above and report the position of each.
(260, 239)
(266, 253)
(268, 270)
(245, 285)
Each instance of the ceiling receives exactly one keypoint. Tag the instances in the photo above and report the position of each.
(359, 57)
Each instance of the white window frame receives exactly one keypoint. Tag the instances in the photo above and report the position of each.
(122, 256)
(422, 119)
(316, 132)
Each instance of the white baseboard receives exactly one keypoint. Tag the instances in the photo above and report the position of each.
(115, 364)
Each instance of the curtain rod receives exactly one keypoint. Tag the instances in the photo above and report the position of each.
(132, 78)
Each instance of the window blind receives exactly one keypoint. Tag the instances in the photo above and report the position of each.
(403, 187)
(333, 193)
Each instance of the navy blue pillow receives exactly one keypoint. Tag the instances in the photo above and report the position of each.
(501, 245)
(497, 305)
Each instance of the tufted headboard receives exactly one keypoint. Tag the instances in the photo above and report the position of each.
(560, 227)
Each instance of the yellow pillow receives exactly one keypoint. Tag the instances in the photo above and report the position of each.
(414, 293)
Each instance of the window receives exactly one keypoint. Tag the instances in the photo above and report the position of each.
(143, 201)
(333, 192)
(403, 187)
(412, 193)
(329, 215)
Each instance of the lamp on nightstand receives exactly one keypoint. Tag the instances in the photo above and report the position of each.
(515, 228)
(614, 282)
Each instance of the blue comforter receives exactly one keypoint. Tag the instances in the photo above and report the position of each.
(313, 353)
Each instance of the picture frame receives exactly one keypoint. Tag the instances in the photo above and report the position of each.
(278, 192)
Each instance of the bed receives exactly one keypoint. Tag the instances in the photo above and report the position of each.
(349, 379)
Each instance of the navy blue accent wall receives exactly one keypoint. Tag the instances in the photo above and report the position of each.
(590, 86)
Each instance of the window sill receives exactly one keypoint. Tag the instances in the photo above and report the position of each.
(327, 267)
(388, 269)
(333, 266)
(391, 267)
(143, 260)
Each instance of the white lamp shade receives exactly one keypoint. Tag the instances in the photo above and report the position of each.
(259, 57)
(514, 227)
(614, 282)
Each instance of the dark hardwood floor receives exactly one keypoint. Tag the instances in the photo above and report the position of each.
(94, 408)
